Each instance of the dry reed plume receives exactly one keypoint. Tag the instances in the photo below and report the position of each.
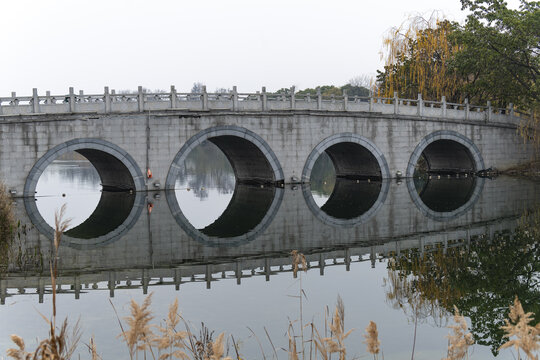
(170, 343)
(335, 343)
(460, 340)
(171, 340)
(526, 337)
(372, 339)
(298, 262)
(139, 335)
(61, 343)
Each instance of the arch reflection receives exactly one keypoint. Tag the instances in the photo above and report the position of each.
(250, 211)
(445, 198)
(351, 203)
(115, 214)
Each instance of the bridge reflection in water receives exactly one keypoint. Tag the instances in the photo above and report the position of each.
(360, 221)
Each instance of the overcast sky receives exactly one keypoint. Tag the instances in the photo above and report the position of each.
(51, 45)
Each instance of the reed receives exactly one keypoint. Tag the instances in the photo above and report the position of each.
(521, 335)
(372, 339)
(460, 340)
(63, 341)
(167, 341)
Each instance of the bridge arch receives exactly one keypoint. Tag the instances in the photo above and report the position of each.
(250, 156)
(116, 168)
(446, 151)
(353, 156)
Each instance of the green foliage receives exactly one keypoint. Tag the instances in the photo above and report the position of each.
(499, 53)
(330, 90)
(493, 56)
(481, 280)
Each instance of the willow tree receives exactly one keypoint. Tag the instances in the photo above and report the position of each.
(416, 60)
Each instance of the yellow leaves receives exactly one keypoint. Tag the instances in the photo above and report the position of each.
(416, 54)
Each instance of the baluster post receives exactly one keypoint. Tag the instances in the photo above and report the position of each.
(345, 101)
(264, 99)
(14, 100)
(488, 117)
(467, 109)
(35, 101)
(81, 96)
(235, 98)
(396, 102)
(107, 99)
(370, 100)
(140, 98)
(319, 99)
(511, 106)
(420, 106)
(293, 98)
(71, 100)
(204, 98)
(443, 101)
(173, 97)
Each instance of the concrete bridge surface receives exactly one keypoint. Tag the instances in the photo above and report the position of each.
(268, 138)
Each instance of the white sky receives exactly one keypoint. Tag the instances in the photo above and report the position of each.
(54, 44)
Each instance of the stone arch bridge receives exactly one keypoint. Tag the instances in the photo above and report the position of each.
(268, 138)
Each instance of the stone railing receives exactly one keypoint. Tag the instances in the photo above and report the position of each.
(141, 101)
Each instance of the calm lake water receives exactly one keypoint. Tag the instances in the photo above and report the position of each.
(396, 252)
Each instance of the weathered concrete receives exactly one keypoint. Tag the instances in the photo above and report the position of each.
(267, 137)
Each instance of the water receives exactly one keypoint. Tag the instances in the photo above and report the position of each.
(222, 249)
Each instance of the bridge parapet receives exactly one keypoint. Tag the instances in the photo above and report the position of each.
(141, 101)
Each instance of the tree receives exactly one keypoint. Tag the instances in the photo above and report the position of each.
(494, 56)
(499, 53)
(417, 60)
(481, 280)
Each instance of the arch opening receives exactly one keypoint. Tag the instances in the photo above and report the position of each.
(342, 191)
(441, 175)
(446, 157)
(114, 174)
(353, 161)
(248, 162)
(212, 203)
(445, 152)
(252, 160)
(96, 180)
(353, 157)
